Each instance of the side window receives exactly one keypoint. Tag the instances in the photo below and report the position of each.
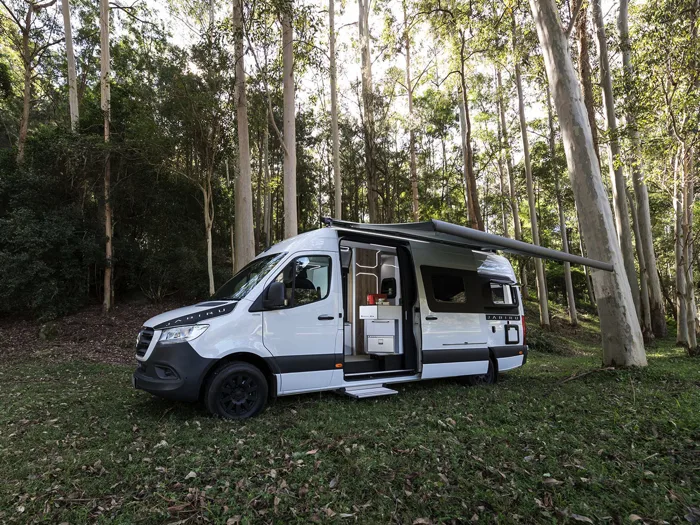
(306, 280)
(502, 294)
(448, 288)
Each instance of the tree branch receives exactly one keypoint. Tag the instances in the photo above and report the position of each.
(574, 16)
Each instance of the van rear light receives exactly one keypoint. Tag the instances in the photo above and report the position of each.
(524, 331)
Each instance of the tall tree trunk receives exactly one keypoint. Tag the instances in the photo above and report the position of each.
(502, 150)
(368, 108)
(617, 179)
(656, 300)
(514, 205)
(645, 319)
(105, 80)
(585, 75)
(27, 91)
(267, 199)
(475, 219)
(680, 253)
(289, 115)
(231, 228)
(411, 131)
(688, 201)
(539, 264)
(208, 225)
(337, 180)
(72, 76)
(570, 299)
(622, 337)
(244, 237)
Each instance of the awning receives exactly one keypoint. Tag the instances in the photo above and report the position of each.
(452, 234)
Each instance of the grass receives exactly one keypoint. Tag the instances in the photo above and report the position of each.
(77, 445)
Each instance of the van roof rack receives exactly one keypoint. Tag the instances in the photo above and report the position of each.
(452, 234)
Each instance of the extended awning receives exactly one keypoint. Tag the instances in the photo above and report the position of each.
(452, 234)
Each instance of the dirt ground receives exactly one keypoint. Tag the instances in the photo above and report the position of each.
(87, 334)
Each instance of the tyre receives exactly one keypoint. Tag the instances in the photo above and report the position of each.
(237, 390)
(488, 378)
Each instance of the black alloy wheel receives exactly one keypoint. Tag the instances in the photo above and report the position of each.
(236, 391)
(488, 378)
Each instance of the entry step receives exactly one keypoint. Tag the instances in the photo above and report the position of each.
(361, 392)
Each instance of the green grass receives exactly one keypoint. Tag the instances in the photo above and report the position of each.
(78, 444)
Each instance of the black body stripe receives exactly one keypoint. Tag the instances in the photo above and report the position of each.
(455, 355)
(291, 364)
(508, 351)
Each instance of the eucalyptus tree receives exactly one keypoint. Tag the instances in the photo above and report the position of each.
(643, 222)
(539, 265)
(244, 238)
(621, 335)
(105, 102)
(70, 59)
(32, 31)
(289, 124)
(335, 137)
(368, 103)
(619, 191)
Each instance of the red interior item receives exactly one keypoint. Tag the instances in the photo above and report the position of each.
(372, 298)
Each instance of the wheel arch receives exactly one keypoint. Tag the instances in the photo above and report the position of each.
(245, 357)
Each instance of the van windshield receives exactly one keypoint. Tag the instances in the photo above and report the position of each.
(240, 284)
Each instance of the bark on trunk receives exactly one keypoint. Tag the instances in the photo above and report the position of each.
(337, 180)
(72, 76)
(267, 199)
(231, 228)
(368, 108)
(27, 91)
(289, 112)
(645, 319)
(622, 337)
(539, 265)
(509, 161)
(208, 223)
(244, 234)
(656, 300)
(617, 179)
(570, 298)
(105, 74)
(680, 252)
(411, 132)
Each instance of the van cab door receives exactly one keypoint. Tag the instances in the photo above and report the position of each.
(305, 336)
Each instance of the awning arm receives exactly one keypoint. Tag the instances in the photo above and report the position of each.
(516, 247)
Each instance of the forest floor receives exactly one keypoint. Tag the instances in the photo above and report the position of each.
(559, 440)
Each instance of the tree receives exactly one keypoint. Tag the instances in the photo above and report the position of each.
(289, 130)
(645, 239)
(31, 43)
(411, 132)
(105, 80)
(368, 112)
(244, 239)
(622, 221)
(570, 298)
(539, 265)
(621, 334)
(334, 113)
(72, 76)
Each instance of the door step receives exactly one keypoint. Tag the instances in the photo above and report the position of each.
(362, 392)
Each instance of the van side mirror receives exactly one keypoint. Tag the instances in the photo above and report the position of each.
(274, 295)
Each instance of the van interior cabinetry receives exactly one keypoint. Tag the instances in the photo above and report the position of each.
(381, 327)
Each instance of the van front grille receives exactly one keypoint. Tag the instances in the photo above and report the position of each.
(143, 341)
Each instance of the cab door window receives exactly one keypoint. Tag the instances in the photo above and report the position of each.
(306, 279)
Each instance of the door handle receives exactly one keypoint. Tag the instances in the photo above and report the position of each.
(326, 317)
(431, 318)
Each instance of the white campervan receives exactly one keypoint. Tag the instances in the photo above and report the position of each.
(349, 307)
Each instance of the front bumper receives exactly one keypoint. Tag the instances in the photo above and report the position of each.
(173, 371)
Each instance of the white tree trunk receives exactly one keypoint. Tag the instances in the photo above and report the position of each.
(267, 197)
(645, 319)
(289, 130)
(539, 264)
(368, 108)
(244, 233)
(105, 79)
(27, 89)
(338, 182)
(72, 76)
(680, 253)
(570, 298)
(208, 224)
(688, 200)
(656, 299)
(509, 161)
(411, 131)
(617, 179)
(622, 337)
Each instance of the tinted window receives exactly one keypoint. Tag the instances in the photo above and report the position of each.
(448, 288)
(306, 279)
(503, 294)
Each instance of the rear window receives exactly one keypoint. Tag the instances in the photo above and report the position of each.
(503, 294)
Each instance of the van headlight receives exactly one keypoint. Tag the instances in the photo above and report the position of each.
(182, 333)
